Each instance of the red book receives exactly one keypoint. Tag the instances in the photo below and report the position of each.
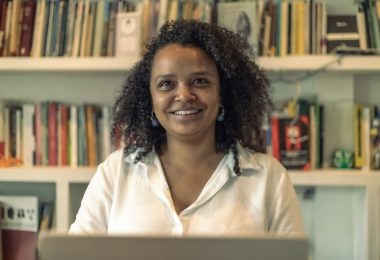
(275, 138)
(52, 133)
(27, 25)
(64, 134)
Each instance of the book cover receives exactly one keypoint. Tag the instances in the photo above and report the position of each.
(239, 17)
(27, 27)
(342, 30)
(19, 225)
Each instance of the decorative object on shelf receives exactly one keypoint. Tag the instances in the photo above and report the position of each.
(343, 159)
(128, 33)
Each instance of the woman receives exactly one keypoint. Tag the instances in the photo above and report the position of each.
(190, 117)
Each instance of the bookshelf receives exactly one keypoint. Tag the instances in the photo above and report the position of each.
(344, 213)
(357, 64)
(99, 79)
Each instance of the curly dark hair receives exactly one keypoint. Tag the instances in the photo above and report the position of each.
(244, 87)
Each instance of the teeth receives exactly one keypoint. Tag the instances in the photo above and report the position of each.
(186, 112)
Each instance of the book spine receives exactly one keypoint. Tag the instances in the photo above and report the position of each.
(27, 28)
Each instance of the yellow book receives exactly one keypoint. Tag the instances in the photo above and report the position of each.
(173, 10)
(15, 27)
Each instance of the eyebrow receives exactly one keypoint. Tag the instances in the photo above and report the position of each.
(170, 75)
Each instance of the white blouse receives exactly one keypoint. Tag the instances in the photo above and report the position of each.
(129, 198)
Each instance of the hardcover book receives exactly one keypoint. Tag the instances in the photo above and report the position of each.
(19, 225)
(240, 17)
(342, 30)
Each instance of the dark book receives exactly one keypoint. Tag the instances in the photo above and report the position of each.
(342, 31)
(27, 27)
(46, 215)
(321, 127)
(3, 19)
(19, 216)
(290, 141)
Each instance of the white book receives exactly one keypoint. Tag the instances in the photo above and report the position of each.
(106, 132)
(28, 140)
(6, 134)
(73, 136)
(18, 134)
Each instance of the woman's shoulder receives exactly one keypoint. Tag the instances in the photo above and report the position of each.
(264, 163)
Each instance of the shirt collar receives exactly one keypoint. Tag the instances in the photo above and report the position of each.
(247, 160)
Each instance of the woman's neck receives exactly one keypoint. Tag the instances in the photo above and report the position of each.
(184, 154)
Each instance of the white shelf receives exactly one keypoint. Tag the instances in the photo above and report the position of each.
(117, 64)
(327, 177)
(47, 174)
(68, 64)
(309, 63)
(333, 177)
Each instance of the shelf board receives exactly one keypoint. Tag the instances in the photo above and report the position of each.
(335, 177)
(66, 64)
(309, 63)
(122, 64)
(325, 177)
(47, 174)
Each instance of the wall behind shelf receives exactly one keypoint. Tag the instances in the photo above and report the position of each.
(71, 87)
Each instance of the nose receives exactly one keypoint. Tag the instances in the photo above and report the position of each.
(184, 93)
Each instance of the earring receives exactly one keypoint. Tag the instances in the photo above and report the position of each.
(154, 120)
(220, 116)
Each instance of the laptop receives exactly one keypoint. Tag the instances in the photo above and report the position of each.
(95, 247)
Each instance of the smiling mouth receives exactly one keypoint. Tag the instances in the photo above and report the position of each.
(186, 112)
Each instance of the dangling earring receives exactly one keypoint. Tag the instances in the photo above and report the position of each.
(154, 120)
(220, 116)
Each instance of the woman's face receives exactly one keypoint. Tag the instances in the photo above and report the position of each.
(185, 91)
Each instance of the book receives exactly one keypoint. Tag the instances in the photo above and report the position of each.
(358, 128)
(28, 135)
(342, 30)
(19, 227)
(27, 28)
(2, 130)
(239, 17)
(291, 138)
(15, 27)
(46, 215)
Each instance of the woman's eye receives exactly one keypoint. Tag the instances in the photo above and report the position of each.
(200, 82)
(166, 84)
